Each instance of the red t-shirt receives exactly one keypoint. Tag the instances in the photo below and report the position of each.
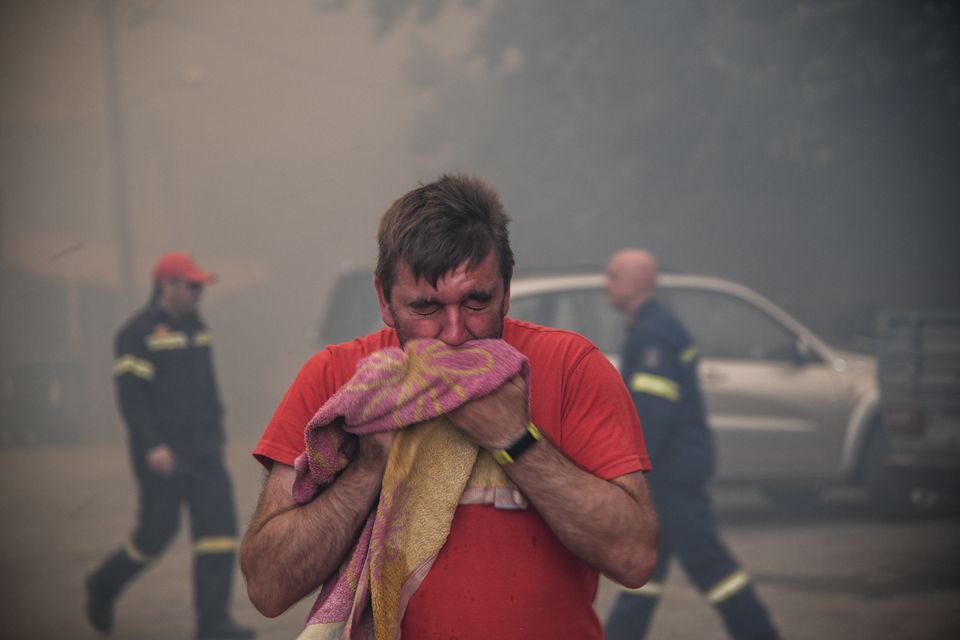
(501, 574)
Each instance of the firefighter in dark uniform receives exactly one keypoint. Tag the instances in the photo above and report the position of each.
(659, 366)
(168, 397)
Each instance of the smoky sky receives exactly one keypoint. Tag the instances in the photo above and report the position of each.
(806, 150)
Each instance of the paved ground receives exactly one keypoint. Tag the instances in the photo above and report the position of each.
(831, 572)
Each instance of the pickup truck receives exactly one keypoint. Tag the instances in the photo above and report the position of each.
(914, 461)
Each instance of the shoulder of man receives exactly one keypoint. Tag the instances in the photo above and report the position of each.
(139, 324)
(556, 352)
(666, 322)
(330, 368)
(348, 354)
(663, 337)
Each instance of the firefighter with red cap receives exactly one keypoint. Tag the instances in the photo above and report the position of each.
(168, 397)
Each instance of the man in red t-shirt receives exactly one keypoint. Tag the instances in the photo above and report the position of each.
(443, 271)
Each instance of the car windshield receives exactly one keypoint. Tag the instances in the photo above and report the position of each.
(723, 325)
(727, 327)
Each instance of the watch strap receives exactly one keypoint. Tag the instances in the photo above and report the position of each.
(519, 446)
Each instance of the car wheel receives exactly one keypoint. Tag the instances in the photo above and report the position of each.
(889, 493)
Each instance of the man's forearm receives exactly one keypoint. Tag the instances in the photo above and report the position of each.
(289, 550)
(611, 525)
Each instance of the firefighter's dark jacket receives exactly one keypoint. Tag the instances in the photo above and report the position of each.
(659, 365)
(165, 383)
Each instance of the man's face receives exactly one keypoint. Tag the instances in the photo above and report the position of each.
(467, 304)
(182, 298)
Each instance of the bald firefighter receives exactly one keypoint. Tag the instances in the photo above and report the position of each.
(659, 367)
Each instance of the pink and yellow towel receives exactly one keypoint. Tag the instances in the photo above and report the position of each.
(431, 469)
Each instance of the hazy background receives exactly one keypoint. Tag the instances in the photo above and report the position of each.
(809, 150)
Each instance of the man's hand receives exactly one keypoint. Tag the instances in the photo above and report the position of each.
(497, 420)
(610, 525)
(161, 460)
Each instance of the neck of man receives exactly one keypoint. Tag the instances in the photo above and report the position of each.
(169, 309)
(639, 301)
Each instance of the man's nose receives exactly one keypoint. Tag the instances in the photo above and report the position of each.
(453, 332)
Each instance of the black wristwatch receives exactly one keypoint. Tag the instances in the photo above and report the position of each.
(519, 446)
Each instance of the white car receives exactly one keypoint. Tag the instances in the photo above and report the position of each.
(790, 414)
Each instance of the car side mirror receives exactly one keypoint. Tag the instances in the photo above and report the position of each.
(803, 352)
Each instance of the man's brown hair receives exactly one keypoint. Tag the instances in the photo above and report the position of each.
(437, 226)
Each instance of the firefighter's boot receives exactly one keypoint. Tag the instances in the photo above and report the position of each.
(213, 575)
(104, 586)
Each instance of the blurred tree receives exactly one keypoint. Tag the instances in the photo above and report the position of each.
(748, 138)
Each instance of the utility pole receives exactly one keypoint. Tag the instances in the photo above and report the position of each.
(117, 135)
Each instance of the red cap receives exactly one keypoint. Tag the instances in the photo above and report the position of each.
(180, 266)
